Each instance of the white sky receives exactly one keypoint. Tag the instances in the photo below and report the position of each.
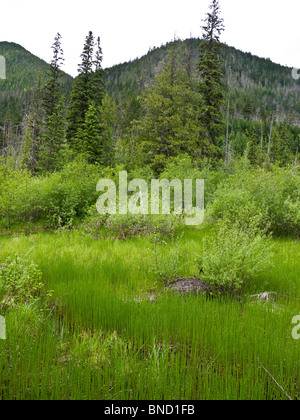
(267, 28)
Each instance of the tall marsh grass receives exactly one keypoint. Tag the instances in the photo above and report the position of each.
(106, 340)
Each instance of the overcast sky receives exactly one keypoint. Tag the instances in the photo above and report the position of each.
(128, 28)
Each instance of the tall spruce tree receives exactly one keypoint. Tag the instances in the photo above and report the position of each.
(211, 78)
(84, 117)
(52, 91)
(253, 148)
(169, 126)
(90, 136)
(53, 142)
(277, 147)
(98, 78)
(54, 151)
(82, 92)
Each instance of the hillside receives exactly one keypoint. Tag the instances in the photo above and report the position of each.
(22, 70)
(257, 86)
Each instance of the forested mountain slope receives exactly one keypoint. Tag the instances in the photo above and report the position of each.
(257, 86)
(22, 72)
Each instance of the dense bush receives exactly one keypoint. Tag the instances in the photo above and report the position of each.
(57, 199)
(235, 193)
(233, 258)
(128, 226)
(183, 168)
(272, 195)
(20, 283)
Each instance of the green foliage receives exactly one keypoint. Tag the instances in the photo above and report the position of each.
(108, 119)
(168, 260)
(272, 196)
(109, 340)
(169, 123)
(184, 167)
(23, 70)
(253, 150)
(211, 76)
(129, 225)
(89, 136)
(233, 259)
(54, 152)
(20, 283)
(57, 199)
(87, 94)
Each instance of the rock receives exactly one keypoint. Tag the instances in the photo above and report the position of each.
(186, 286)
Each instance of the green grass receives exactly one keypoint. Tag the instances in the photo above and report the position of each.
(106, 342)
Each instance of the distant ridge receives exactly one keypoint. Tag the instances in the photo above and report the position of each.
(267, 86)
(22, 71)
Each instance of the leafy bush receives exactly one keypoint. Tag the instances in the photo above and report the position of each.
(168, 263)
(57, 199)
(235, 205)
(20, 283)
(272, 196)
(183, 168)
(129, 226)
(233, 258)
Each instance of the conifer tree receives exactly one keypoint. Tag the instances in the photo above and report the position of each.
(52, 91)
(108, 112)
(82, 93)
(54, 139)
(276, 147)
(253, 149)
(54, 151)
(89, 136)
(169, 125)
(287, 141)
(98, 82)
(211, 83)
(85, 117)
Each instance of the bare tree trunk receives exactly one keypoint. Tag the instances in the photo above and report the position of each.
(261, 138)
(270, 140)
(227, 152)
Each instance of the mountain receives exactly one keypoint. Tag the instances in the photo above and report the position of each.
(256, 86)
(22, 72)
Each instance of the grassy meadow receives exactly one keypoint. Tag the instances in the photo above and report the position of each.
(103, 338)
(107, 292)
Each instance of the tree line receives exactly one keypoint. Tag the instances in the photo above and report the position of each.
(182, 112)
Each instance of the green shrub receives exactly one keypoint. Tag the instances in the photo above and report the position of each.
(129, 225)
(235, 205)
(57, 199)
(233, 258)
(272, 196)
(168, 263)
(20, 283)
(183, 168)
(290, 221)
